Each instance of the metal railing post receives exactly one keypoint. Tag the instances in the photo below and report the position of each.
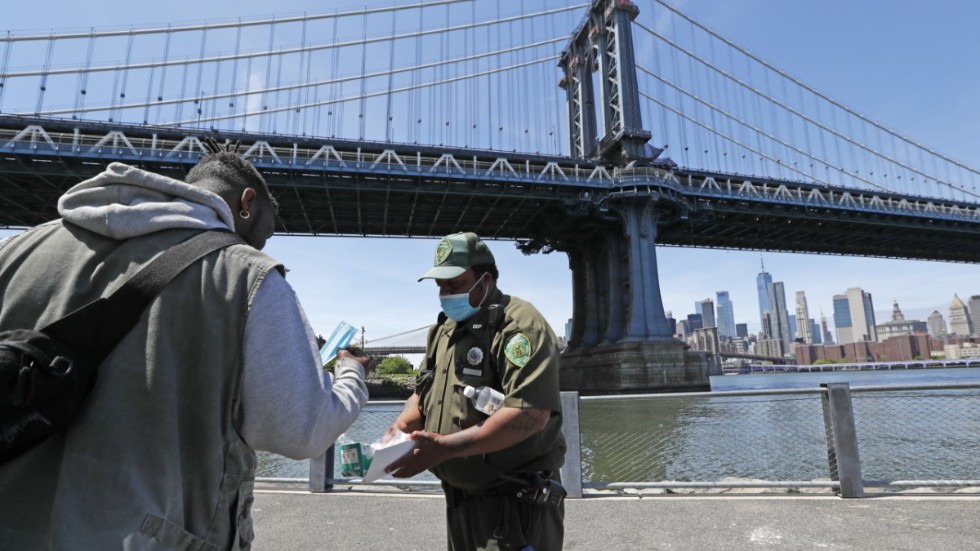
(842, 446)
(321, 471)
(571, 471)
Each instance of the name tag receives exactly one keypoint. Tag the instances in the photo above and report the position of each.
(472, 372)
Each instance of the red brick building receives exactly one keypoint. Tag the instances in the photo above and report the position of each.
(895, 349)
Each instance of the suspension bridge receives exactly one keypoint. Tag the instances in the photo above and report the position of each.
(598, 129)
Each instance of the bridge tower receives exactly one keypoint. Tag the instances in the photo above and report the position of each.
(620, 339)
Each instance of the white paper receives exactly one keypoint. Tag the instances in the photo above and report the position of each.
(386, 456)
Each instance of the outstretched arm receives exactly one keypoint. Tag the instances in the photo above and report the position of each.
(503, 429)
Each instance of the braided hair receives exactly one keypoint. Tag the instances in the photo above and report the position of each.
(223, 171)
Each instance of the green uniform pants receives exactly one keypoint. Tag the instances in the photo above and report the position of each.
(500, 522)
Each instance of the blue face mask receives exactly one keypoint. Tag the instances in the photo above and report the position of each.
(457, 307)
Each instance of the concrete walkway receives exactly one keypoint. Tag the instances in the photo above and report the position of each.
(289, 518)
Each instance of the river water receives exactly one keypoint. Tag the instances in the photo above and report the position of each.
(902, 435)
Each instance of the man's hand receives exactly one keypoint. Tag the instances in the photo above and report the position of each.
(429, 451)
(363, 359)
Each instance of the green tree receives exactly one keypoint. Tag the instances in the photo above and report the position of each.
(394, 365)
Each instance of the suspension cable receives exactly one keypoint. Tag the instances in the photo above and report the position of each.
(374, 94)
(790, 109)
(285, 51)
(813, 90)
(231, 24)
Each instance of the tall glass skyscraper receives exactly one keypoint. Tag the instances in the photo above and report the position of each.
(842, 320)
(778, 314)
(726, 315)
(762, 283)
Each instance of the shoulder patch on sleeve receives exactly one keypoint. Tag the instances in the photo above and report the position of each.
(518, 350)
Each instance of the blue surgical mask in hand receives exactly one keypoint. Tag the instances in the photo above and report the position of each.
(457, 307)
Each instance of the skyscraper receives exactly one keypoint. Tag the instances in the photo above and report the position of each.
(959, 318)
(815, 332)
(974, 307)
(694, 321)
(842, 320)
(762, 283)
(779, 315)
(862, 315)
(726, 315)
(937, 325)
(707, 310)
(828, 338)
(803, 324)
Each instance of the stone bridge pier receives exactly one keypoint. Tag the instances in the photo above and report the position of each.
(620, 341)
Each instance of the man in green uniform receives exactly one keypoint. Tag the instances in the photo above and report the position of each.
(499, 473)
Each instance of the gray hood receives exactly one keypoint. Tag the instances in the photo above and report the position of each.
(126, 201)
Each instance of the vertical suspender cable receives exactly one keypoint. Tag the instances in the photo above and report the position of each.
(500, 95)
(44, 75)
(490, 97)
(247, 98)
(82, 88)
(332, 122)
(264, 117)
(149, 95)
(163, 70)
(309, 79)
(200, 74)
(556, 122)
(125, 73)
(183, 94)
(414, 96)
(463, 122)
(275, 117)
(234, 69)
(363, 103)
(6, 59)
(299, 80)
(389, 136)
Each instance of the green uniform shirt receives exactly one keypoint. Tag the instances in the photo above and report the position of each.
(520, 360)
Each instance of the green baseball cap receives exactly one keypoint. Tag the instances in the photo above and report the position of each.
(457, 253)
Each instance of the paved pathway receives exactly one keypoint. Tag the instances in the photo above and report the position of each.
(295, 520)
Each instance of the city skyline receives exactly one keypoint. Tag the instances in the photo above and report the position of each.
(930, 97)
(878, 316)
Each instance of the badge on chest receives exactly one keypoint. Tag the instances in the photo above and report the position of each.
(474, 362)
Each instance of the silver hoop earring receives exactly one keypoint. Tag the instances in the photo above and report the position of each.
(244, 214)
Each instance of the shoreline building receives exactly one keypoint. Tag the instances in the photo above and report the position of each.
(960, 323)
(974, 307)
(804, 325)
(937, 325)
(899, 326)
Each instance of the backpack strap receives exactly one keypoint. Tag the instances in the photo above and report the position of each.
(96, 328)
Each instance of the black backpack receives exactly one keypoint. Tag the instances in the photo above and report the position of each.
(46, 373)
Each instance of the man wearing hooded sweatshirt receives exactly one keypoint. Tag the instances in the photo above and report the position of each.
(223, 362)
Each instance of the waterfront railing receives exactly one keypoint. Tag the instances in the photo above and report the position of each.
(837, 437)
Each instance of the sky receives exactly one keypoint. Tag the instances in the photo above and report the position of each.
(907, 65)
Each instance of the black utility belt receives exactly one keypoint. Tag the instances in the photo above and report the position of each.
(532, 488)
